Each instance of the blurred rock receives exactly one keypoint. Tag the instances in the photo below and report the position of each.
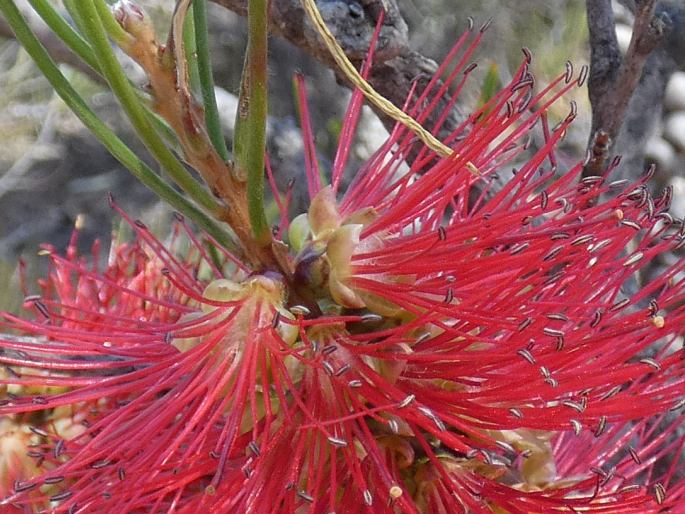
(623, 35)
(621, 13)
(75, 178)
(678, 201)
(227, 103)
(674, 129)
(371, 134)
(286, 155)
(675, 92)
(661, 152)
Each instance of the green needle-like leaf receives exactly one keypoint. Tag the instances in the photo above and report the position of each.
(190, 51)
(110, 140)
(65, 32)
(82, 49)
(204, 67)
(250, 128)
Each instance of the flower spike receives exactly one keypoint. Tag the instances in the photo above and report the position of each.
(447, 343)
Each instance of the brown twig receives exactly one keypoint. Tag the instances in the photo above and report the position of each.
(647, 34)
(396, 66)
(613, 80)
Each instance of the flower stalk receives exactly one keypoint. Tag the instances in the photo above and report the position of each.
(168, 75)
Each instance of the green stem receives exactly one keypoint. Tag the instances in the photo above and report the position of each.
(118, 149)
(212, 120)
(250, 129)
(73, 8)
(94, 30)
(65, 32)
(190, 50)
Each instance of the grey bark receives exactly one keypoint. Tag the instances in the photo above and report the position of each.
(627, 92)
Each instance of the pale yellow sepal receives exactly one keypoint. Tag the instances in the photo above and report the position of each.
(341, 247)
(323, 215)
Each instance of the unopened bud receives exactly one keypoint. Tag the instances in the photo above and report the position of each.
(133, 20)
(324, 217)
(339, 251)
(298, 232)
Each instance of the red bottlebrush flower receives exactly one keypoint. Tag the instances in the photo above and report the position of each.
(449, 341)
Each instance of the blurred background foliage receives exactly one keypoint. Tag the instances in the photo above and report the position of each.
(51, 170)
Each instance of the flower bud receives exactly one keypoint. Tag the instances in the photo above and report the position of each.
(339, 251)
(323, 214)
(133, 20)
(299, 231)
